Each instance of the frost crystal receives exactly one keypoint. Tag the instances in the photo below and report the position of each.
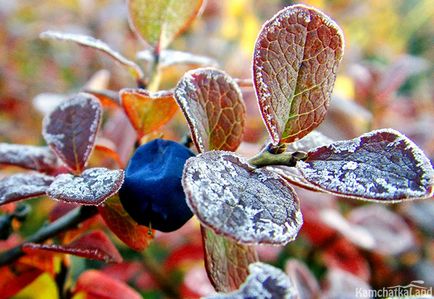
(380, 165)
(39, 158)
(234, 199)
(92, 187)
(23, 186)
(264, 281)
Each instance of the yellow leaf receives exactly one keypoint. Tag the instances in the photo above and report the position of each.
(44, 287)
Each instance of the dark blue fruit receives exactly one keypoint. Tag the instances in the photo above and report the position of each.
(152, 192)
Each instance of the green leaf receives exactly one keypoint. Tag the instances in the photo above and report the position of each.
(159, 22)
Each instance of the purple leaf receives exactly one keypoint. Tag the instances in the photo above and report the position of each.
(390, 232)
(39, 158)
(296, 57)
(226, 261)
(382, 165)
(214, 108)
(23, 186)
(92, 187)
(70, 130)
(239, 201)
(265, 282)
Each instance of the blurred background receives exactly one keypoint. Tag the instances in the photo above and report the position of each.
(385, 80)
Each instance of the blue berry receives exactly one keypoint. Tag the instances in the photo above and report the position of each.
(152, 192)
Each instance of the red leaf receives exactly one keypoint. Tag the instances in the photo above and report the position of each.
(148, 111)
(23, 186)
(296, 57)
(226, 261)
(123, 226)
(382, 165)
(14, 280)
(236, 200)
(97, 285)
(70, 130)
(95, 245)
(39, 158)
(213, 105)
(344, 255)
(92, 187)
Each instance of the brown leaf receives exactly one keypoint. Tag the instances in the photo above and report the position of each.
(213, 105)
(94, 245)
(226, 261)
(296, 57)
(239, 201)
(148, 111)
(92, 187)
(39, 158)
(137, 237)
(70, 130)
(23, 186)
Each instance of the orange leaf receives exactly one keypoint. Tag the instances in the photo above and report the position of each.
(97, 285)
(123, 226)
(148, 111)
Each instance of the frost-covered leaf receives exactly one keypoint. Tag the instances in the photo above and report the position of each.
(382, 165)
(170, 58)
(296, 57)
(239, 201)
(214, 108)
(88, 41)
(159, 22)
(293, 175)
(92, 187)
(343, 284)
(94, 245)
(148, 111)
(265, 282)
(226, 261)
(391, 234)
(123, 226)
(98, 285)
(421, 213)
(23, 186)
(39, 158)
(303, 280)
(70, 130)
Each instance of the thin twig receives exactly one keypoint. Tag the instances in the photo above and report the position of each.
(68, 221)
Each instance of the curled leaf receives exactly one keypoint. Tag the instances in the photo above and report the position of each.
(264, 281)
(296, 57)
(70, 130)
(159, 22)
(88, 41)
(39, 158)
(94, 245)
(92, 187)
(382, 165)
(303, 280)
(148, 111)
(123, 226)
(239, 201)
(213, 105)
(23, 186)
(226, 261)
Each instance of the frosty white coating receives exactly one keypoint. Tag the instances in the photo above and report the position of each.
(88, 41)
(92, 187)
(23, 186)
(249, 205)
(265, 282)
(380, 165)
(39, 158)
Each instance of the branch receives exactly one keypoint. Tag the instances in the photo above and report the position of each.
(64, 223)
(272, 155)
